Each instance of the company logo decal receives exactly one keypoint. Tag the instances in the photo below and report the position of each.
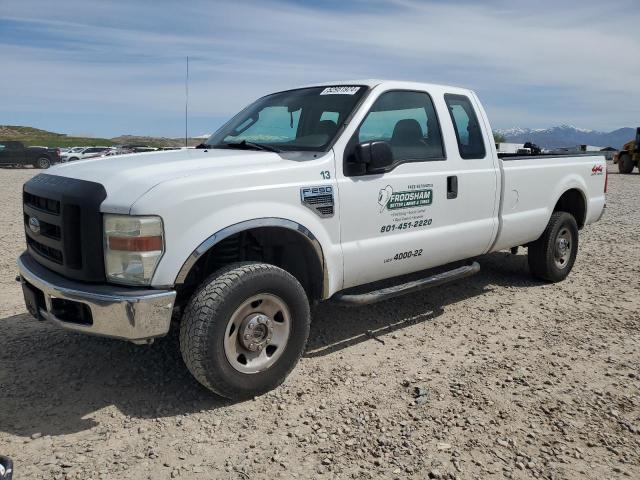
(596, 170)
(391, 200)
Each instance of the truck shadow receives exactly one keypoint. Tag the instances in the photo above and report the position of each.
(336, 327)
(52, 382)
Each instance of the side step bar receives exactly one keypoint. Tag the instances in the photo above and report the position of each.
(409, 287)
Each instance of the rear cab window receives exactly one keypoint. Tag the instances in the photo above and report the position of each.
(466, 125)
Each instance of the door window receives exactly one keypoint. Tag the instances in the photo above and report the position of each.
(408, 122)
(465, 122)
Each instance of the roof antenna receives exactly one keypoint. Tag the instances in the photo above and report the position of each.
(186, 105)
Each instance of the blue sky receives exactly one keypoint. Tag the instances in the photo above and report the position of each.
(106, 68)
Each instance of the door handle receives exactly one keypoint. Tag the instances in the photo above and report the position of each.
(452, 187)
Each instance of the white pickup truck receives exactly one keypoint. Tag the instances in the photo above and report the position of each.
(302, 196)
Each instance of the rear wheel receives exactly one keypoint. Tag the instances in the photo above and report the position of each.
(43, 163)
(552, 256)
(625, 163)
(245, 329)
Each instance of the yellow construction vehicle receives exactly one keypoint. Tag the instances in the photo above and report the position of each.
(629, 156)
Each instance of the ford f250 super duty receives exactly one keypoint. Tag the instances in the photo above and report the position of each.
(301, 197)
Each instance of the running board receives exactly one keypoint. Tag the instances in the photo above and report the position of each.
(409, 287)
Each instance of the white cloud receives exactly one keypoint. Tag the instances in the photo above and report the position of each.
(109, 55)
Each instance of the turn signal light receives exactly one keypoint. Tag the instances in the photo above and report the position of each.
(136, 244)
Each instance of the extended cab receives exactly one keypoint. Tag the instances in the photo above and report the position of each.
(15, 153)
(303, 196)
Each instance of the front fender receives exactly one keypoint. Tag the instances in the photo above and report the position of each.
(189, 235)
(231, 230)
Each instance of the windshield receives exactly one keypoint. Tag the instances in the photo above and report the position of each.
(305, 119)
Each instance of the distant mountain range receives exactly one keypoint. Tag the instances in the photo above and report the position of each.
(568, 136)
(555, 137)
(35, 136)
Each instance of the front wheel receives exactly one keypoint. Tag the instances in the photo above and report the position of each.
(43, 163)
(625, 163)
(245, 329)
(552, 256)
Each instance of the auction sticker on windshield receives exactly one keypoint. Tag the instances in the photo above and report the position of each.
(344, 90)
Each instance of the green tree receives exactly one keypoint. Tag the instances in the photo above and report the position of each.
(499, 138)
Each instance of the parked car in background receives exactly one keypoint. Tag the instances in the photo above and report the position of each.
(140, 148)
(15, 153)
(110, 152)
(72, 150)
(85, 152)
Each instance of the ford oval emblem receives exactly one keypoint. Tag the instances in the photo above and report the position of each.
(34, 224)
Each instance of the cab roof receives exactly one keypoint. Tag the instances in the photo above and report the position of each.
(399, 84)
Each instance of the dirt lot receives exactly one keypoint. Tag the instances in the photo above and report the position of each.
(519, 380)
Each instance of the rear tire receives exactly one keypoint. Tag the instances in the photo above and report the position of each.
(43, 163)
(625, 163)
(235, 307)
(552, 256)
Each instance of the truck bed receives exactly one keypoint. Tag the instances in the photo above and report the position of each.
(532, 185)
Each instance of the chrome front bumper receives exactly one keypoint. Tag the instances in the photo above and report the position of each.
(137, 315)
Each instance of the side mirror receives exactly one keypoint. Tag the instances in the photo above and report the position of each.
(375, 156)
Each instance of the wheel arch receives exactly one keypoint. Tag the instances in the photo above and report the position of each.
(573, 201)
(309, 251)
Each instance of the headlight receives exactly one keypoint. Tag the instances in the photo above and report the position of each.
(133, 247)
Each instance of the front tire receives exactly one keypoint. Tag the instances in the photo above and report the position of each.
(245, 329)
(625, 163)
(552, 256)
(43, 163)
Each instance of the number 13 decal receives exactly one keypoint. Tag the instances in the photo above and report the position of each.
(325, 174)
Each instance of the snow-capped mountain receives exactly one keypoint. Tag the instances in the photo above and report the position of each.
(568, 136)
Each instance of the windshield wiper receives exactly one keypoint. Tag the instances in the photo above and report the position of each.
(244, 145)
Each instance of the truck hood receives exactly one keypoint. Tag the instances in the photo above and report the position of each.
(127, 177)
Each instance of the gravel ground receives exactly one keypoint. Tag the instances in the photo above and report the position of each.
(497, 376)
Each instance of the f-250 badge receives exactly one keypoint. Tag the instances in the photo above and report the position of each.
(391, 200)
(319, 199)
